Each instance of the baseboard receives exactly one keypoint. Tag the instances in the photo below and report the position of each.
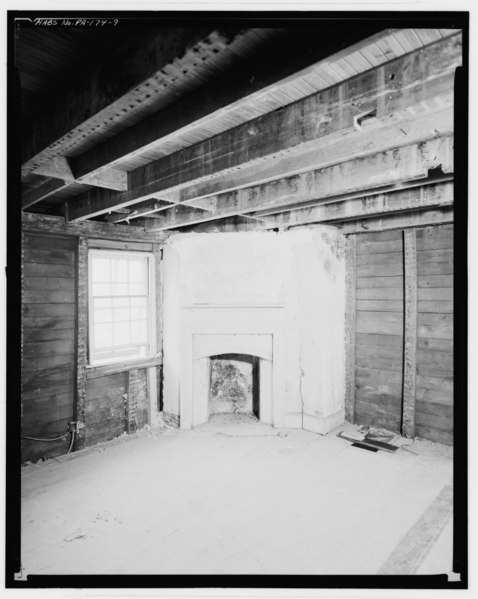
(323, 424)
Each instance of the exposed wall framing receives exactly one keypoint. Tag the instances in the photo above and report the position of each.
(106, 400)
(82, 338)
(404, 331)
(350, 313)
(410, 334)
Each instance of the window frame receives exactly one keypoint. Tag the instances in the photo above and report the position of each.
(151, 303)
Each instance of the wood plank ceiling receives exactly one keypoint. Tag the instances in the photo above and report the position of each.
(230, 129)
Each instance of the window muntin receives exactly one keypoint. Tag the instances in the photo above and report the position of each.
(120, 306)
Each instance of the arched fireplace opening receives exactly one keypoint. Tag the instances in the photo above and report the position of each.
(234, 384)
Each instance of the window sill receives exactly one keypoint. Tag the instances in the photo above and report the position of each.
(96, 371)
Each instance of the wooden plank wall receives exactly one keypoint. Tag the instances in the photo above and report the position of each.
(53, 385)
(49, 342)
(108, 405)
(105, 408)
(434, 402)
(379, 329)
(379, 335)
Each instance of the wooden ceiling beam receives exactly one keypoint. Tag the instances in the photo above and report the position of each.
(59, 167)
(252, 84)
(128, 74)
(42, 223)
(383, 135)
(336, 148)
(428, 196)
(227, 225)
(406, 81)
(42, 192)
(415, 79)
(419, 218)
(359, 175)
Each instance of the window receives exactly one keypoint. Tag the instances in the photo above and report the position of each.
(120, 306)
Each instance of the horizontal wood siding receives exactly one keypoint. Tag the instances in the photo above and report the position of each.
(434, 404)
(49, 346)
(379, 329)
(379, 333)
(105, 409)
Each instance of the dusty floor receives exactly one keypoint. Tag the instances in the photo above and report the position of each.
(236, 496)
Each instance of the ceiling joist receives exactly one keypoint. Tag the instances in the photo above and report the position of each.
(393, 132)
(391, 167)
(428, 196)
(56, 224)
(247, 92)
(125, 84)
(42, 192)
(417, 218)
(387, 89)
(59, 167)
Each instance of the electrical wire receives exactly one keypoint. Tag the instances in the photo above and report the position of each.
(71, 441)
(46, 440)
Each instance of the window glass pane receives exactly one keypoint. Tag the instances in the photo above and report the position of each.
(139, 332)
(138, 312)
(102, 303)
(101, 269)
(138, 301)
(119, 289)
(103, 316)
(121, 302)
(103, 335)
(138, 271)
(121, 314)
(122, 336)
(138, 289)
(101, 289)
(120, 270)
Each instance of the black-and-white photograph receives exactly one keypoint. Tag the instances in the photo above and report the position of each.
(234, 276)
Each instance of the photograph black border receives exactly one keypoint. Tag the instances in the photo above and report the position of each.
(399, 19)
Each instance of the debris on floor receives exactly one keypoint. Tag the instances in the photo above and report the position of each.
(380, 445)
(367, 437)
(162, 427)
(351, 435)
(364, 446)
(75, 536)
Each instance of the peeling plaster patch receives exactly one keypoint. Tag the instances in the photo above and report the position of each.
(334, 239)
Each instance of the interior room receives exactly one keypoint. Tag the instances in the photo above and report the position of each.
(237, 288)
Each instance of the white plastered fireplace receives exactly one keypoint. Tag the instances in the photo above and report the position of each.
(279, 297)
(213, 330)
